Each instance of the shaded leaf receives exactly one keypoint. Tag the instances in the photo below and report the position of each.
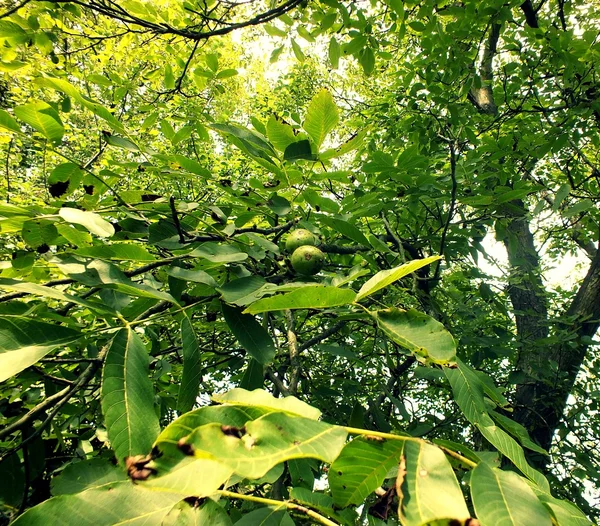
(43, 118)
(86, 474)
(251, 334)
(192, 370)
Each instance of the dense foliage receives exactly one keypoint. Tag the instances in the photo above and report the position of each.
(292, 263)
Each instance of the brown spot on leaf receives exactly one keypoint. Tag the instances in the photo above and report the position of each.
(137, 467)
(184, 447)
(237, 432)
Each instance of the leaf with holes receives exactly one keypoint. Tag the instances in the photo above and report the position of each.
(267, 441)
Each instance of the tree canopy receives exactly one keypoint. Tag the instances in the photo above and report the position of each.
(295, 262)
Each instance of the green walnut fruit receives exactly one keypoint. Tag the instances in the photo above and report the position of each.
(307, 260)
(299, 238)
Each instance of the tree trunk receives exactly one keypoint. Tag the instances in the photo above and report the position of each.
(541, 400)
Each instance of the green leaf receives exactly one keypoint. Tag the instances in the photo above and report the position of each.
(323, 503)
(322, 116)
(361, 468)
(274, 31)
(185, 514)
(503, 498)
(366, 58)
(8, 123)
(43, 118)
(268, 516)
(518, 431)
(578, 208)
(334, 52)
(251, 334)
(80, 476)
(431, 491)
(308, 297)
(71, 91)
(507, 445)
(50, 292)
(218, 254)
(93, 222)
(422, 335)
(298, 151)
(267, 441)
(24, 341)
(468, 391)
(297, 50)
(280, 133)
(121, 142)
(192, 370)
(230, 415)
(98, 273)
(117, 251)
(227, 73)
(112, 504)
(68, 175)
(128, 396)
(386, 277)
(565, 513)
(243, 291)
(12, 483)
(345, 228)
(38, 232)
(197, 276)
(267, 402)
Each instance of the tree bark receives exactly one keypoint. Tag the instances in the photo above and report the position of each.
(540, 401)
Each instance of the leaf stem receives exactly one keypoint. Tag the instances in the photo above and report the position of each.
(280, 504)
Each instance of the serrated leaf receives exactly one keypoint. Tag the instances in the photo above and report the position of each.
(128, 396)
(192, 370)
(251, 334)
(43, 118)
(431, 491)
(360, 469)
(503, 498)
(267, 402)
(422, 335)
(267, 441)
(309, 297)
(385, 278)
(24, 341)
(93, 222)
(322, 116)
